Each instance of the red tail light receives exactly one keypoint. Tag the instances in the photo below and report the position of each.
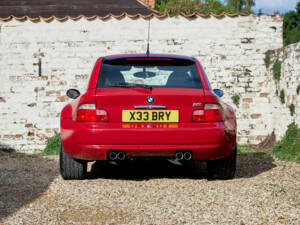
(211, 113)
(89, 113)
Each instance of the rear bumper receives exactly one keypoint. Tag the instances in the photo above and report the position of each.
(92, 141)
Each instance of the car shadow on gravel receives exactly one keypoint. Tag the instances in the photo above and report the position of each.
(141, 169)
(23, 178)
(248, 165)
(253, 164)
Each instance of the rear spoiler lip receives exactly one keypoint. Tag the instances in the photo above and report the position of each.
(151, 56)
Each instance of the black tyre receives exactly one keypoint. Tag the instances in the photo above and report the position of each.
(71, 169)
(223, 168)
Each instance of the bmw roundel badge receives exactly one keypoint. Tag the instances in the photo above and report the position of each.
(150, 99)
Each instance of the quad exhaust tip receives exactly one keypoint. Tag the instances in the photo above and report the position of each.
(183, 156)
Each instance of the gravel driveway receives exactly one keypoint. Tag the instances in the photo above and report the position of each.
(265, 191)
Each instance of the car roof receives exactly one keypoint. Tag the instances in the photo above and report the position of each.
(174, 56)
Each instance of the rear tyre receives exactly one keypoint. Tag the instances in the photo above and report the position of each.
(222, 168)
(71, 169)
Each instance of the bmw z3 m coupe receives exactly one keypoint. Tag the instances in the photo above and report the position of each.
(146, 105)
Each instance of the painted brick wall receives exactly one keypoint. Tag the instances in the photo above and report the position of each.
(230, 48)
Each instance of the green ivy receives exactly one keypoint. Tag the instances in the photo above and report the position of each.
(289, 147)
(236, 99)
(52, 147)
(282, 97)
(292, 109)
(277, 70)
(267, 58)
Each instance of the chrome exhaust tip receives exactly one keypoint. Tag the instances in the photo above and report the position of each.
(187, 156)
(121, 156)
(179, 156)
(112, 156)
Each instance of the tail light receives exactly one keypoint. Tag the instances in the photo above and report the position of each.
(211, 113)
(89, 113)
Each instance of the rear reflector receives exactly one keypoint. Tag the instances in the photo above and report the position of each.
(89, 113)
(211, 113)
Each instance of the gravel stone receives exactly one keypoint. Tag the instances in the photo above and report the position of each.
(265, 191)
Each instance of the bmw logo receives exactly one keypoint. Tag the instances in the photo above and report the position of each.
(150, 99)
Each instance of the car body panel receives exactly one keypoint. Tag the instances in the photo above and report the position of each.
(92, 140)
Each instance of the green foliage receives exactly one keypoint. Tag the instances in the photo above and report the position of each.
(277, 70)
(240, 6)
(282, 97)
(174, 7)
(267, 58)
(236, 99)
(247, 149)
(291, 26)
(52, 147)
(298, 89)
(292, 109)
(289, 147)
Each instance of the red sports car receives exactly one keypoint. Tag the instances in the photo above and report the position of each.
(142, 105)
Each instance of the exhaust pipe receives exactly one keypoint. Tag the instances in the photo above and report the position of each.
(112, 156)
(187, 156)
(179, 156)
(121, 156)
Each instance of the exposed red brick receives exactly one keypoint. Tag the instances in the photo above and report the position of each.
(12, 136)
(48, 93)
(2, 99)
(249, 100)
(263, 95)
(28, 125)
(150, 3)
(81, 77)
(257, 50)
(32, 104)
(260, 84)
(245, 106)
(42, 136)
(261, 137)
(62, 98)
(48, 130)
(255, 116)
(37, 89)
(53, 77)
(62, 83)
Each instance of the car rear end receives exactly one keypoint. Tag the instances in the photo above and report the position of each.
(153, 105)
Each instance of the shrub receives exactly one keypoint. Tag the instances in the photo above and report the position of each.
(236, 99)
(277, 70)
(289, 147)
(52, 147)
(174, 7)
(267, 59)
(292, 109)
(282, 97)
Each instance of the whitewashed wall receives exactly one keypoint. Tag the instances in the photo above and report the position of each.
(230, 48)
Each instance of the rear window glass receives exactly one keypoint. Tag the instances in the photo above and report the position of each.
(155, 73)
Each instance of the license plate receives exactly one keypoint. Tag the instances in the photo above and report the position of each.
(164, 116)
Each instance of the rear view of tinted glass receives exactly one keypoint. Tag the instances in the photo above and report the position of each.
(149, 72)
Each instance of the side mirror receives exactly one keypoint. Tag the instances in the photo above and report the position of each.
(218, 92)
(73, 93)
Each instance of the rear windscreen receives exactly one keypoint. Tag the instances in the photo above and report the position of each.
(150, 72)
